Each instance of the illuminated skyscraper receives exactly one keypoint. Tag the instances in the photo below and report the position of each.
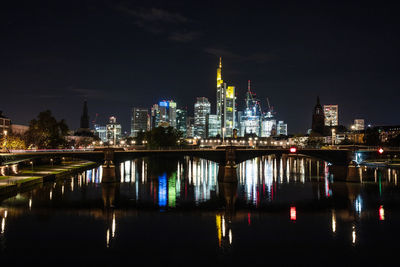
(331, 115)
(359, 124)
(139, 120)
(167, 113)
(213, 125)
(281, 128)
(114, 130)
(250, 120)
(225, 103)
(201, 110)
(181, 121)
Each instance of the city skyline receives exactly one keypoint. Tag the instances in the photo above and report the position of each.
(121, 55)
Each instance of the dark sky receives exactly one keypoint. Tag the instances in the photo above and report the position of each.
(120, 54)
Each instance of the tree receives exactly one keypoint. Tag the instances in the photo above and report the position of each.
(162, 137)
(371, 137)
(46, 131)
(12, 142)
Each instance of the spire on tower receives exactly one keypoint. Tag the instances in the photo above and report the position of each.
(220, 62)
(248, 85)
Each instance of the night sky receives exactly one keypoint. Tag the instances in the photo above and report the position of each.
(120, 54)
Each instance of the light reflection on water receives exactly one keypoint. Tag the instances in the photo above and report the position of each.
(274, 197)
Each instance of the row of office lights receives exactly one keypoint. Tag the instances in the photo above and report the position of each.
(244, 141)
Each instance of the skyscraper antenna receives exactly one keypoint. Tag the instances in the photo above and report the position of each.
(220, 62)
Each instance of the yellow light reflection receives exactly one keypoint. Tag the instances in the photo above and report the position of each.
(333, 221)
(218, 222)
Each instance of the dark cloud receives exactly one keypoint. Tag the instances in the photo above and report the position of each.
(184, 37)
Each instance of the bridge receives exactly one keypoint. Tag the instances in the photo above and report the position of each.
(227, 157)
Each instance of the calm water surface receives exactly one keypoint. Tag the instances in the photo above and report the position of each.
(175, 212)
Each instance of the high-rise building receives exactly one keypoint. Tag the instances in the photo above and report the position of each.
(318, 120)
(281, 128)
(181, 121)
(172, 113)
(250, 120)
(154, 116)
(225, 104)
(202, 108)
(213, 125)
(101, 132)
(139, 120)
(114, 130)
(268, 124)
(359, 124)
(167, 113)
(190, 127)
(331, 115)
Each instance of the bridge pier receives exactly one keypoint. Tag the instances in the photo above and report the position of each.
(109, 167)
(346, 173)
(227, 172)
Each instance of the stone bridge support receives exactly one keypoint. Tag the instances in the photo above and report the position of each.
(109, 167)
(346, 173)
(227, 171)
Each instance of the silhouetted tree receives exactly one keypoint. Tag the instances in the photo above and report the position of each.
(162, 137)
(371, 137)
(46, 131)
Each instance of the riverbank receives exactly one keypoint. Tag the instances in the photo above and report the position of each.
(29, 176)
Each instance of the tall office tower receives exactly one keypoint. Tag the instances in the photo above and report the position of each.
(331, 115)
(225, 104)
(139, 120)
(250, 121)
(172, 113)
(181, 121)
(268, 124)
(190, 127)
(154, 116)
(318, 119)
(202, 108)
(213, 125)
(163, 108)
(167, 113)
(281, 128)
(359, 124)
(114, 130)
(101, 132)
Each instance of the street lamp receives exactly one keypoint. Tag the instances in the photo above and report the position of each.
(51, 160)
(333, 136)
(223, 135)
(353, 127)
(31, 162)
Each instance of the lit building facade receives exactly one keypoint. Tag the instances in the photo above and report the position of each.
(225, 104)
(268, 125)
(213, 125)
(250, 122)
(281, 128)
(202, 109)
(167, 114)
(139, 120)
(181, 121)
(359, 124)
(331, 115)
(101, 132)
(5, 124)
(114, 130)
(154, 116)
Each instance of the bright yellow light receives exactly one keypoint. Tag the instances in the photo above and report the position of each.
(230, 92)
